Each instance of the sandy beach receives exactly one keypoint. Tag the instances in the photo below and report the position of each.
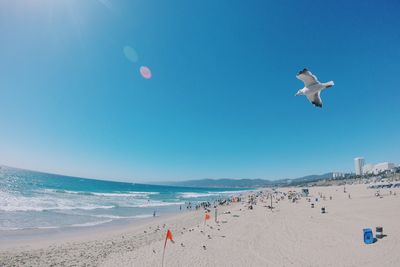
(292, 234)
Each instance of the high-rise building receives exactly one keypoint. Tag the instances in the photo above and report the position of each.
(358, 165)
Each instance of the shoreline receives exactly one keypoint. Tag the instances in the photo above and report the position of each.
(292, 233)
(43, 237)
(20, 237)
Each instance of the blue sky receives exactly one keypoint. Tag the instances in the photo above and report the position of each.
(221, 100)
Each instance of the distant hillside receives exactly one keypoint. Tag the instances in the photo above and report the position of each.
(246, 183)
(223, 183)
(314, 177)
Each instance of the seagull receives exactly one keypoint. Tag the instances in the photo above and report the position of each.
(312, 87)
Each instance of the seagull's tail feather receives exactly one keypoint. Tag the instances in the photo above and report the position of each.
(329, 84)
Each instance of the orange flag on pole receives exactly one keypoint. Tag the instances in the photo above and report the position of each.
(168, 236)
(206, 217)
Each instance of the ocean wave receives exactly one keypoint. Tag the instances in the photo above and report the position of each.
(19, 203)
(233, 192)
(33, 208)
(11, 202)
(157, 204)
(127, 194)
(9, 228)
(2, 228)
(111, 194)
(46, 227)
(196, 195)
(87, 224)
(211, 193)
(109, 216)
(90, 223)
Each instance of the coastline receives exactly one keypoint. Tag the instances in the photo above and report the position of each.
(291, 234)
(33, 238)
(45, 237)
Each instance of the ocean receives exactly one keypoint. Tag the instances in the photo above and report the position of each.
(34, 200)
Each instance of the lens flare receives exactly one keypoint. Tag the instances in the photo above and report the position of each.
(145, 72)
(130, 54)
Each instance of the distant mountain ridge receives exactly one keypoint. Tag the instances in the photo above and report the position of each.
(246, 183)
(222, 183)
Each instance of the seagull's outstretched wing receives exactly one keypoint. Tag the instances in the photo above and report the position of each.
(307, 77)
(315, 99)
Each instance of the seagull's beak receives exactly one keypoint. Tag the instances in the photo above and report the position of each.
(297, 94)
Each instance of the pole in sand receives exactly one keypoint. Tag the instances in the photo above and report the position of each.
(271, 202)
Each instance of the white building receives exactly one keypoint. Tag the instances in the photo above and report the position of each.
(367, 168)
(358, 165)
(337, 174)
(378, 168)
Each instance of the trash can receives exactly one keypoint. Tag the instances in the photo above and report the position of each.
(368, 236)
(379, 232)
